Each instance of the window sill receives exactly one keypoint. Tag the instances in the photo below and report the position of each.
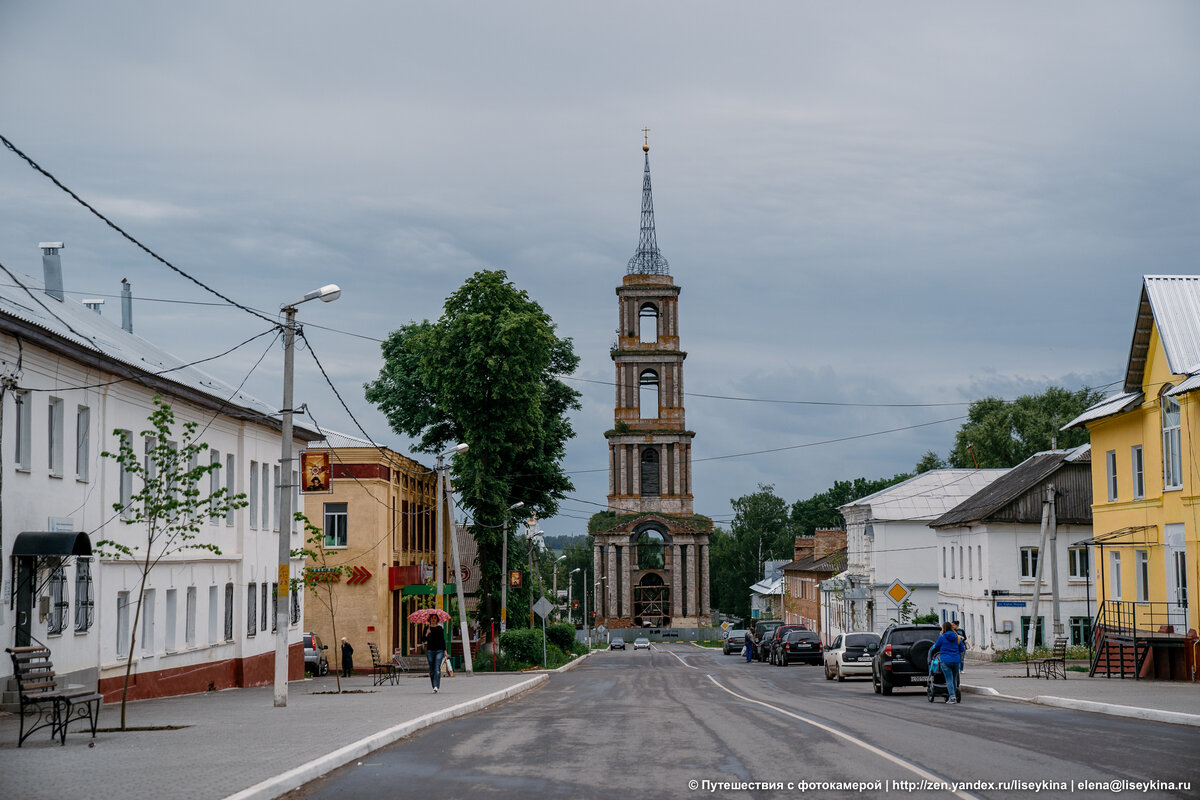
(83, 632)
(82, 479)
(55, 475)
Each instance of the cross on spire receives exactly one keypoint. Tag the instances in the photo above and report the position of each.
(647, 260)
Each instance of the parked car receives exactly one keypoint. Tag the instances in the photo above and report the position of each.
(901, 657)
(803, 646)
(315, 660)
(758, 637)
(641, 643)
(847, 654)
(735, 640)
(616, 643)
(774, 644)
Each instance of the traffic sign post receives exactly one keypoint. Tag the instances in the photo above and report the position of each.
(898, 593)
(543, 607)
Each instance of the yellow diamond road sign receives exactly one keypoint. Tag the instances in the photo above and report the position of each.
(898, 591)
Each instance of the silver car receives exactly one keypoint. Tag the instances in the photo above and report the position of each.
(847, 655)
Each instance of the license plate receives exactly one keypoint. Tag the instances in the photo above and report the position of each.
(851, 658)
(920, 679)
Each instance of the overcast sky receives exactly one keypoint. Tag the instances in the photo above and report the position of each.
(890, 203)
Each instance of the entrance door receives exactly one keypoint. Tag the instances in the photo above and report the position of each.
(1176, 570)
(26, 576)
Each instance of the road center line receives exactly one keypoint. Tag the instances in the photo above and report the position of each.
(900, 762)
(686, 664)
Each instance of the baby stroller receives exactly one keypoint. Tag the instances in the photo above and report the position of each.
(936, 687)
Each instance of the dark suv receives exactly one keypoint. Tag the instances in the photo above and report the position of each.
(902, 656)
(759, 637)
(799, 645)
(775, 641)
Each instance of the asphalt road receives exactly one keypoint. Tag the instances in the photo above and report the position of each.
(680, 721)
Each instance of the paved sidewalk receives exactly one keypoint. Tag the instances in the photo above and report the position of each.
(1163, 701)
(237, 743)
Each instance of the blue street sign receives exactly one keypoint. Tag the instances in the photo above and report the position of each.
(1012, 603)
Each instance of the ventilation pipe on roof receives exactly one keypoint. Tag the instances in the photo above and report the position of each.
(52, 269)
(126, 306)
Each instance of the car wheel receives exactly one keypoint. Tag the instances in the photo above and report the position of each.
(828, 674)
(841, 678)
(874, 683)
(783, 660)
(324, 668)
(885, 686)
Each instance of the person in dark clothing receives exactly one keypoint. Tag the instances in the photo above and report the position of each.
(950, 648)
(347, 658)
(435, 651)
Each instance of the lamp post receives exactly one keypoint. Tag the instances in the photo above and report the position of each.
(532, 532)
(557, 561)
(468, 666)
(570, 589)
(504, 568)
(589, 622)
(325, 294)
(441, 524)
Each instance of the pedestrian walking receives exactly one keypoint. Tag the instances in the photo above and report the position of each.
(962, 645)
(435, 651)
(748, 650)
(347, 658)
(949, 648)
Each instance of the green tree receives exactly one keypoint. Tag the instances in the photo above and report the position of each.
(168, 507)
(319, 578)
(821, 510)
(929, 462)
(761, 530)
(1001, 434)
(486, 374)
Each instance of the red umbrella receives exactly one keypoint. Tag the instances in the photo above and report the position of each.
(429, 616)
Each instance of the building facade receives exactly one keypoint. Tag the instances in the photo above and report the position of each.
(651, 549)
(817, 559)
(73, 384)
(379, 519)
(1145, 488)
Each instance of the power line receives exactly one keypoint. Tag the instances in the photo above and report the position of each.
(128, 236)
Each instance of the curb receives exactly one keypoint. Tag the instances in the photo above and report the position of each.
(295, 778)
(1111, 709)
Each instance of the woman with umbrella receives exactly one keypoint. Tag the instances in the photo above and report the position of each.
(435, 641)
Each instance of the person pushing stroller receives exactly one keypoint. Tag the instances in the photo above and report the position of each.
(947, 654)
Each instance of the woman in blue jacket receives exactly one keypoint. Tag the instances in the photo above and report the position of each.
(950, 648)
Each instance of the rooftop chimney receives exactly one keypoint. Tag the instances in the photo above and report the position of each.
(93, 303)
(126, 306)
(52, 268)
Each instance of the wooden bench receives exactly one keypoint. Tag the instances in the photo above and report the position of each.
(381, 670)
(44, 701)
(1055, 666)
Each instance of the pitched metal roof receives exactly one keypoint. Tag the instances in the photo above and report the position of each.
(830, 562)
(1012, 485)
(1113, 404)
(1172, 304)
(71, 322)
(334, 439)
(926, 496)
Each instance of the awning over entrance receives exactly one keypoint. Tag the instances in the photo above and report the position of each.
(52, 543)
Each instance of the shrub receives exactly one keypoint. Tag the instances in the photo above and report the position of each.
(561, 635)
(523, 645)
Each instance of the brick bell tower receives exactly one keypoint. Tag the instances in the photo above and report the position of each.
(651, 549)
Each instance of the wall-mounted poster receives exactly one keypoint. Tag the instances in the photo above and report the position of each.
(314, 467)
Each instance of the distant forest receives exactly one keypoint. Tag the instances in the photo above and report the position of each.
(563, 541)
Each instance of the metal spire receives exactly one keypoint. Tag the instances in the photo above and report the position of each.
(647, 260)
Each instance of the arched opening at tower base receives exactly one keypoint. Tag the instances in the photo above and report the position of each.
(651, 602)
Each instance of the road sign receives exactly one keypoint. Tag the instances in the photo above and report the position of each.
(898, 591)
(1011, 603)
(543, 607)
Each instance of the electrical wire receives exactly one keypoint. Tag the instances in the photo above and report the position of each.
(121, 231)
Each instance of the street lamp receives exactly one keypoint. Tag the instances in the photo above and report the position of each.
(504, 568)
(557, 561)
(570, 589)
(442, 474)
(325, 294)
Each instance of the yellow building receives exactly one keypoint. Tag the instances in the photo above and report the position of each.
(379, 519)
(1145, 478)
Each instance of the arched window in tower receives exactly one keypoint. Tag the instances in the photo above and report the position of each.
(650, 471)
(648, 394)
(648, 323)
(650, 549)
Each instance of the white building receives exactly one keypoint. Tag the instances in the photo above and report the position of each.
(888, 539)
(69, 378)
(989, 547)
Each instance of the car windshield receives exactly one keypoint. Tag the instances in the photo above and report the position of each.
(618, 639)
(912, 636)
(641, 641)
(861, 639)
(802, 636)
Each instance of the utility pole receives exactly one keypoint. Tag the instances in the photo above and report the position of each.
(1051, 499)
(468, 665)
(1031, 634)
(530, 529)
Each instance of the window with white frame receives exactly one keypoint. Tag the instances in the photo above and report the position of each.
(59, 603)
(979, 554)
(337, 525)
(54, 437)
(122, 623)
(266, 497)
(274, 603)
(1139, 472)
(1142, 566)
(1077, 562)
(172, 615)
(230, 486)
(214, 615)
(970, 564)
(943, 561)
(252, 609)
(275, 516)
(961, 574)
(23, 455)
(1110, 473)
(214, 481)
(1172, 448)
(1029, 561)
(295, 606)
(147, 614)
(84, 601)
(150, 465)
(1114, 575)
(229, 612)
(265, 605)
(253, 494)
(190, 618)
(83, 443)
(126, 477)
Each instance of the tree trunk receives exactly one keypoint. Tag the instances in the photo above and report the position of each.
(137, 615)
